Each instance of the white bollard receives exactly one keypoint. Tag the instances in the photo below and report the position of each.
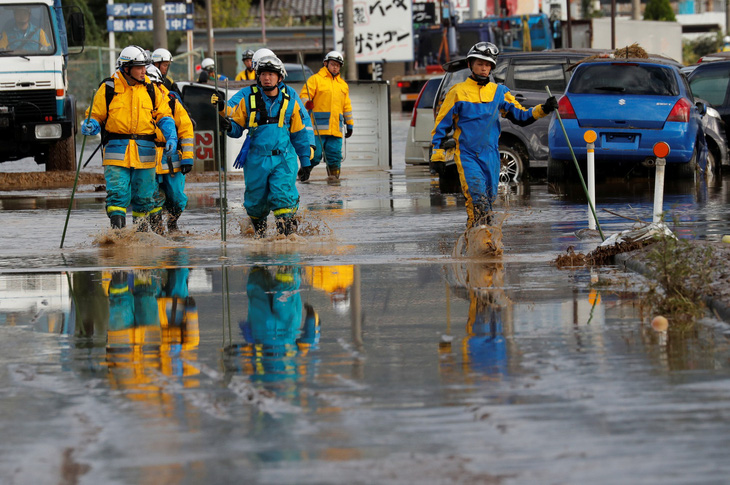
(590, 138)
(661, 150)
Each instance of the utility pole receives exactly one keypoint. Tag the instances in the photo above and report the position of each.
(727, 17)
(473, 10)
(348, 39)
(263, 22)
(159, 25)
(613, 25)
(209, 25)
(636, 9)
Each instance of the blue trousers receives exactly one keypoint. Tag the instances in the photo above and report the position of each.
(332, 150)
(170, 193)
(129, 186)
(479, 176)
(270, 185)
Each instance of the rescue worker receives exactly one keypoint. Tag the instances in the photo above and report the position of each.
(327, 96)
(726, 44)
(472, 109)
(277, 135)
(130, 108)
(208, 65)
(161, 59)
(171, 170)
(335, 281)
(248, 73)
(22, 34)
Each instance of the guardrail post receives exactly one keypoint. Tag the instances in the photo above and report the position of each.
(590, 138)
(661, 150)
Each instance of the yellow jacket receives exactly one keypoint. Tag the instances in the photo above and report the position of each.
(331, 98)
(130, 113)
(330, 278)
(185, 135)
(246, 75)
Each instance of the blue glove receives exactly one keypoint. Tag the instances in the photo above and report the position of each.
(90, 127)
(167, 127)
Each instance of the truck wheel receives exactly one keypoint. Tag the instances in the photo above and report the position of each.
(512, 168)
(62, 155)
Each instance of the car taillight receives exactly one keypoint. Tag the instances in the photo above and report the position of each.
(404, 84)
(565, 109)
(680, 112)
(415, 106)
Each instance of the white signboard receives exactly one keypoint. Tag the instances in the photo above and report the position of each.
(383, 30)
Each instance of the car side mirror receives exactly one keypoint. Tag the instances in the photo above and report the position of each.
(701, 107)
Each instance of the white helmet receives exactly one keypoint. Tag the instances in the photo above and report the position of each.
(208, 64)
(154, 74)
(334, 56)
(132, 55)
(161, 55)
(270, 64)
(264, 52)
(726, 39)
(485, 51)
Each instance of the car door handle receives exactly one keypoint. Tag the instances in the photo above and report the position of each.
(519, 97)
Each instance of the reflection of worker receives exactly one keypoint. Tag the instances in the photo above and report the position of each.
(171, 170)
(274, 332)
(248, 73)
(208, 65)
(471, 109)
(22, 34)
(327, 96)
(130, 117)
(277, 136)
(335, 281)
(726, 44)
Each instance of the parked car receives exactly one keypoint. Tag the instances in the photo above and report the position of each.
(418, 142)
(632, 104)
(294, 73)
(711, 82)
(526, 74)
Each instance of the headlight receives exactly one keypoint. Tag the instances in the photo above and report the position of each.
(50, 131)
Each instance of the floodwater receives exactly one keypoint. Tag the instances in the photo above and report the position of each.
(361, 352)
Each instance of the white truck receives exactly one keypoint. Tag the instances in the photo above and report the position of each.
(37, 113)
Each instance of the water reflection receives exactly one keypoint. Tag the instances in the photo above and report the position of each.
(483, 350)
(152, 333)
(279, 332)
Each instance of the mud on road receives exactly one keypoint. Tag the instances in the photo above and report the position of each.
(59, 180)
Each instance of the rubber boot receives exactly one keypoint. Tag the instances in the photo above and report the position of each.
(172, 223)
(156, 223)
(142, 224)
(117, 221)
(286, 226)
(259, 228)
(482, 217)
(333, 172)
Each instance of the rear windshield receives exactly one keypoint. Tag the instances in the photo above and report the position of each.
(624, 78)
(429, 93)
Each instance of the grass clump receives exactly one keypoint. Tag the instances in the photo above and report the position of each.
(682, 274)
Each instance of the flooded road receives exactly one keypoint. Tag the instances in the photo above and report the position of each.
(359, 353)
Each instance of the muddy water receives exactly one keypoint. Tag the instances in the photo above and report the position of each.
(361, 352)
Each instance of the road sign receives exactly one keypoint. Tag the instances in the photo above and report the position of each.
(146, 25)
(145, 9)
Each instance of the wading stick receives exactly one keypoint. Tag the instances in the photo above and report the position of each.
(225, 181)
(78, 169)
(217, 146)
(311, 113)
(577, 167)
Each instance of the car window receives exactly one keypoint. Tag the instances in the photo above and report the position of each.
(624, 78)
(429, 93)
(710, 86)
(500, 72)
(534, 76)
(295, 75)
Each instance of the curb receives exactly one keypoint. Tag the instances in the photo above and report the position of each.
(632, 262)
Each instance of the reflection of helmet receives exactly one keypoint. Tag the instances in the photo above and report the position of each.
(161, 55)
(726, 39)
(340, 301)
(270, 64)
(247, 54)
(261, 53)
(334, 56)
(484, 50)
(132, 55)
(154, 74)
(208, 64)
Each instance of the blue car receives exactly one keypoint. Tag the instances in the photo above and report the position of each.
(631, 104)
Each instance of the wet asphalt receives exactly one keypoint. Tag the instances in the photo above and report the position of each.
(362, 352)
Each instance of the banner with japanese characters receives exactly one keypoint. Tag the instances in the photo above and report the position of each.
(383, 30)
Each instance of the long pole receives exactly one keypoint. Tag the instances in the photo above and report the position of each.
(217, 145)
(78, 170)
(577, 167)
(311, 114)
